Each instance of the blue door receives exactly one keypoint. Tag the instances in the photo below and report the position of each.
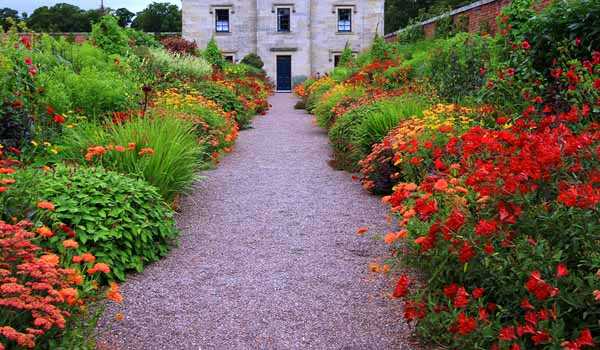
(284, 73)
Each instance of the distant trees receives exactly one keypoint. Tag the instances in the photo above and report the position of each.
(158, 17)
(398, 13)
(63, 17)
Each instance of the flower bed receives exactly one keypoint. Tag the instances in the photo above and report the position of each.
(97, 143)
(494, 193)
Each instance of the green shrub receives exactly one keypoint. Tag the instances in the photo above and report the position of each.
(171, 168)
(109, 36)
(412, 33)
(340, 74)
(139, 38)
(317, 93)
(94, 92)
(347, 56)
(340, 136)
(213, 55)
(253, 60)
(184, 67)
(455, 66)
(227, 99)
(122, 221)
(378, 122)
(324, 108)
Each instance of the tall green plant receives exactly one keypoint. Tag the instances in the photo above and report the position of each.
(109, 36)
(213, 55)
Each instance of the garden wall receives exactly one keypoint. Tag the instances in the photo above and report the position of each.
(479, 16)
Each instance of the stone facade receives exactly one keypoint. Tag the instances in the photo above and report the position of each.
(313, 40)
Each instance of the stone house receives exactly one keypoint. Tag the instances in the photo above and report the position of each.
(293, 37)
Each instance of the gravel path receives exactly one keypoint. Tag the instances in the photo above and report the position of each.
(269, 257)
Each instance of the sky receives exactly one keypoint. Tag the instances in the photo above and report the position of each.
(30, 5)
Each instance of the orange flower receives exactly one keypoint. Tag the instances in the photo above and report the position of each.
(69, 295)
(70, 244)
(75, 278)
(7, 171)
(374, 267)
(99, 267)
(386, 268)
(409, 214)
(45, 232)
(441, 185)
(46, 205)
(119, 316)
(7, 181)
(391, 237)
(361, 231)
(51, 259)
(77, 259)
(114, 293)
(144, 151)
(597, 295)
(119, 148)
(131, 146)
(88, 257)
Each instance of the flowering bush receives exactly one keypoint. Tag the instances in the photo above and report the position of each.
(38, 297)
(179, 45)
(123, 222)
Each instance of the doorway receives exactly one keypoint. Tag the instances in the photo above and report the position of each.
(284, 73)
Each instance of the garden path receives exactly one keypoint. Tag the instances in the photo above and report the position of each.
(269, 257)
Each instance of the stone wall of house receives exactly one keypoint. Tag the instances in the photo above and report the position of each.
(199, 25)
(313, 41)
(296, 43)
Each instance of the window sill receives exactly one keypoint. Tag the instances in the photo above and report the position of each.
(344, 33)
(221, 33)
(284, 33)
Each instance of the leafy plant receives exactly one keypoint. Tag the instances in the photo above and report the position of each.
(213, 55)
(179, 45)
(184, 67)
(226, 98)
(122, 221)
(253, 60)
(108, 35)
(161, 150)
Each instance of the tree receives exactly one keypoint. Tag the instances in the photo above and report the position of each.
(5, 14)
(59, 18)
(124, 17)
(158, 18)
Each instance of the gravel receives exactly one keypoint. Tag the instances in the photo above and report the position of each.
(268, 258)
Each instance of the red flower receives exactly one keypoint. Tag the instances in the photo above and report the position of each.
(425, 208)
(414, 310)
(538, 287)
(461, 299)
(58, 119)
(507, 333)
(525, 45)
(561, 270)
(556, 73)
(541, 337)
(486, 227)
(585, 339)
(450, 290)
(28, 61)
(464, 324)
(597, 84)
(466, 253)
(454, 222)
(401, 287)
(478, 293)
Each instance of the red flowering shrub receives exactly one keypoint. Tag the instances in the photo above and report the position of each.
(38, 294)
(507, 226)
(179, 45)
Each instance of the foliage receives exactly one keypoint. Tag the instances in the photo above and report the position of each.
(178, 66)
(457, 66)
(226, 98)
(316, 90)
(62, 18)
(94, 93)
(389, 112)
(179, 45)
(412, 33)
(162, 151)
(124, 16)
(158, 18)
(109, 36)
(121, 221)
(347, 56)
(324, 110)
(213, 55)
(253, 60)
(379, 50)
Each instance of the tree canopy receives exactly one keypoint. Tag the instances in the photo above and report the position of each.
(63, 17)
(158, 17)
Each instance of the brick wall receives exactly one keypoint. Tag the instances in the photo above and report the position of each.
(477, 16)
